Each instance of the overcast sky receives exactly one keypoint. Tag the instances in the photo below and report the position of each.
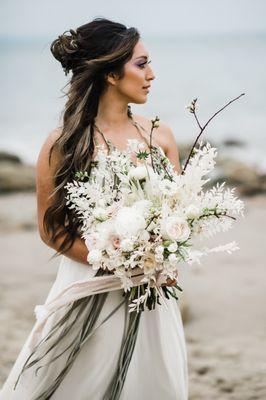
(152, 17)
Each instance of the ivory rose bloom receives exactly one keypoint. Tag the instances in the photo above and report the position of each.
(175, 228)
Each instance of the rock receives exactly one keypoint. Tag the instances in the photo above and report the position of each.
(185, 148)
(12, 158)
(16, 176)
(203, 370)
(247, 179)
(233, 143)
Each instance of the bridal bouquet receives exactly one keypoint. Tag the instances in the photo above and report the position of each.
(145, 217)
(139, 221)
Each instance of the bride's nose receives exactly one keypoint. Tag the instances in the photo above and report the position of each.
(150, 75)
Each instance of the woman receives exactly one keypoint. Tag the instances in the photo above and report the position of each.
(110, 69)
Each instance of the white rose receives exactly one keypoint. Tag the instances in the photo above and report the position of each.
(129, 222)
(192, 211)
(172, 247)
(175, 228)
(138, 173)
(94, 256)
(126, 245)
(100, 213)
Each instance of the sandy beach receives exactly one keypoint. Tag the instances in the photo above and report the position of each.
(224, 298)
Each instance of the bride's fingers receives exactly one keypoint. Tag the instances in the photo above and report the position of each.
(171, 282)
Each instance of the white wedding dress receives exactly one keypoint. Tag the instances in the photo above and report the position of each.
(158, 368)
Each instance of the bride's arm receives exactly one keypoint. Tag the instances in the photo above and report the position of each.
(44, 187)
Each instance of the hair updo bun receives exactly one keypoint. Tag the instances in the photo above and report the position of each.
(65, 49)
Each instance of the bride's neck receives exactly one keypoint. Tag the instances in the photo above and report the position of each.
(112, 113)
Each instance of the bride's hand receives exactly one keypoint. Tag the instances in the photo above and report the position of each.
(171, 282)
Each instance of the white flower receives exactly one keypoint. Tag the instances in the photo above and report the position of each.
(192, 211)
(94, 256)
(172, 247)
(159, 257)
(159, 249)
(175, 228)
(144, 236)
(128, 222)
(127, 245)
(94, 241)
(172, 258)
(139, 172)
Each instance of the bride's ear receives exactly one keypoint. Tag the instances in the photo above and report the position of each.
(111, 78)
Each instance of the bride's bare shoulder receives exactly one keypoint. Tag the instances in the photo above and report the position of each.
(44, 154)
(163, 135)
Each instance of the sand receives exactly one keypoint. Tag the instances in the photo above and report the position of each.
(225, 300)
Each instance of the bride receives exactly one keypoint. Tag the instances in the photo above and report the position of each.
(110, 68)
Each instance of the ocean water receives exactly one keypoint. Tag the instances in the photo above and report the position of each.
(215, 69)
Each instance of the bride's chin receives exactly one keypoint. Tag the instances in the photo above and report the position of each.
(140, 100)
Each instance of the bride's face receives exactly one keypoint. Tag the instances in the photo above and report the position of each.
(138, 76)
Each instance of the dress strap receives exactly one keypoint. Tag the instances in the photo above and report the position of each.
(107, 142)
(137, 125)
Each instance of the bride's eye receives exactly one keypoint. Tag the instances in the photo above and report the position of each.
(142, 65)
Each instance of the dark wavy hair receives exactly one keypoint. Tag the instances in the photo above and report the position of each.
(90, 52)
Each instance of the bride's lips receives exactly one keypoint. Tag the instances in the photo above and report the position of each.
(146, 88)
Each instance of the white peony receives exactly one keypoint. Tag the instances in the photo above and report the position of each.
(175, 228)
(129, 222)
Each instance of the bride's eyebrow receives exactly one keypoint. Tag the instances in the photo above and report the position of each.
(146, 57)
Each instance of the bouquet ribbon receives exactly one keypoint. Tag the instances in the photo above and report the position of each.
(78, 290)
